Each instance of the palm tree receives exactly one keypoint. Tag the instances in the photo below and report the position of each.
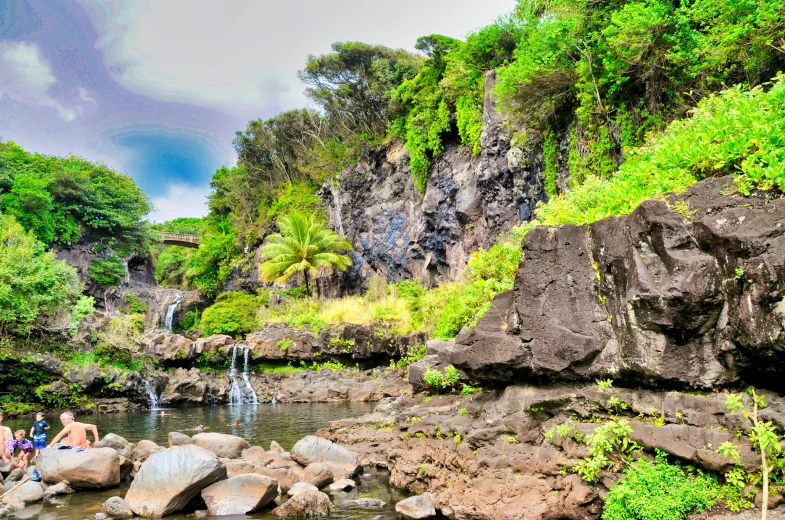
(303, 246)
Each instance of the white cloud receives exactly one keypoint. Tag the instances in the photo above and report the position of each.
(246, 53)
(181, 200)
(26, 77)
(84, 95)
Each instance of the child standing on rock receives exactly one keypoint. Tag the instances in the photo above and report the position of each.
(38, 433)
(25, 445)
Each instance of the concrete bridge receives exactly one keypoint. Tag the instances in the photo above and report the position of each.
(179, 239)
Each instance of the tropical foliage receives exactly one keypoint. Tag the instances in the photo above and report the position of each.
(303, 246)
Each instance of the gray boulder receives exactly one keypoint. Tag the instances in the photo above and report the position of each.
(345, 484)
(26, 493)
(419, 507)
(179, 439)
(144, 449)
(117, 443)
(311, 449)
(366, 503)
(171, 478)
(319, 474)
(223, 445)
(116, 507)
(276, 448)
(240, 495)
(254, 455)
(306, 504)
(89, 469)
(301, 487)
(61, 488)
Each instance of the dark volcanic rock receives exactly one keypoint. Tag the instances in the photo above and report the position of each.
(648, 297)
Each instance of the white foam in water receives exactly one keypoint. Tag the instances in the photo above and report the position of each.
(178, 298)
(155, 401)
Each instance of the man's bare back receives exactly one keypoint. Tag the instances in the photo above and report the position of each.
(76, 432)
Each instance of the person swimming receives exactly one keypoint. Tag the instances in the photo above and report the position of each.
(163, 414)
(236, 423)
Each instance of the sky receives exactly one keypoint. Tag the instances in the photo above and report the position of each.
(157, 88)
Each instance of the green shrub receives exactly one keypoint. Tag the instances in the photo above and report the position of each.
(441, 382)
(106, 273)
(134, 304)
(660, 490)
(233, 313)
(736, 132)
(84, 306)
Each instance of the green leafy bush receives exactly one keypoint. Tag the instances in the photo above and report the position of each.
(233, 313)
(660, 490)
(33, 283)
(441, 382)
(134, 304)
(106, 273)
(736, 132)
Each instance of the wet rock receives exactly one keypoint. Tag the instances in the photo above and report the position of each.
(61, 488)
(144, 449)
(312, 449)
(416, 508)
(185, 387)
(215, 343)
(26, 493)
(345, 484)
(306, 504)
(319, 474)
(117, 443)
(15, 475)
(223, 445)
(179, 439)
(168, 347)
(301, 487)
(89, 469)
(367, 503)
(254, 454)
(286, 477)
(117, 507)
(171, 478)
(240, 495)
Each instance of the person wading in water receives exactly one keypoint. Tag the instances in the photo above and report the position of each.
(76, 431)
(6, 441)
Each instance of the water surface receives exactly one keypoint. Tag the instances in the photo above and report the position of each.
(261, 424)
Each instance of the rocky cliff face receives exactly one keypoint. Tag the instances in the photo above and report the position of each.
(399, 233)
(686, 291)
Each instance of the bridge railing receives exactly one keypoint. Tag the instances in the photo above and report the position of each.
(179, 237)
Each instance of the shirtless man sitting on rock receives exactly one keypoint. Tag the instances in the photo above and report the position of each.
(76, 431)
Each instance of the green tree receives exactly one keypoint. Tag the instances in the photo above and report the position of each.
(33, 283)
(107, 273)
(304, 246)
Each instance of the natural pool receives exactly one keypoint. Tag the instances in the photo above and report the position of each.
(261, 424)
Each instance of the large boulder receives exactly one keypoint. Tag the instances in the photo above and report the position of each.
(171, 478)
(286, 477)
(61, 488)
(223, 445)
(87, 469)
(301, 487)
(312, 449)
(306, 504)
(169, 346)
(144, 449)
(254, 455)
(179, 439)
(28, 492)
(240, 495)
(419, 507)
(215, 343)
(345, 484)
(117, 443)
(319, 474)
(690, 297)
(116, 507)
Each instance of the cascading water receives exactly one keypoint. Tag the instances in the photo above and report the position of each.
(246, 393)
(155, 401)
(178, 298)
(251, 396)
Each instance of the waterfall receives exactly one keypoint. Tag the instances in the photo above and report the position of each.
(235, 396)
(178, 298)
(251, 396)
(246, 393)
(155, 401)
(338, 207)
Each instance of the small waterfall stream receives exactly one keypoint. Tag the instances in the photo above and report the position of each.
(178, 298)
(155, 401)
(241, 394)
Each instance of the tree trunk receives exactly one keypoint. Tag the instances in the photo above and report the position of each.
(307, 287)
